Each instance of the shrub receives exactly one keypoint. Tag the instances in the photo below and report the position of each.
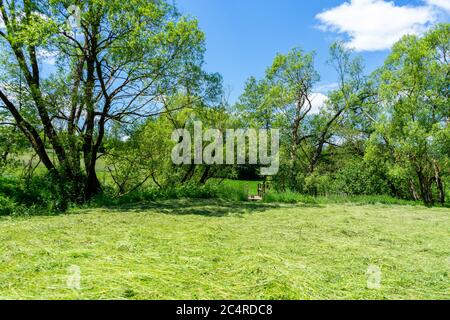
(40, 193)
(7, 206)
(316, 184)
(358, 178)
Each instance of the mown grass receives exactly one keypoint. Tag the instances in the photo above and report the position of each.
(211, 249)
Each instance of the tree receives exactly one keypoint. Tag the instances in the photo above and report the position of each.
(255, 108)
(350, 99)
(284, 98)
(117, 65)
(134, 158)
(292, 78)
(414, 129)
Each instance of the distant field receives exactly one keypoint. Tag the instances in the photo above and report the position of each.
(224, 250)
(102, 171)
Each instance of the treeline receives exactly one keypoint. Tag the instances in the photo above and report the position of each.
(381, 134)
(385, 133)
(126, 75)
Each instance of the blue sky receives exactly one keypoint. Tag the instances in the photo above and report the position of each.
(243, 36)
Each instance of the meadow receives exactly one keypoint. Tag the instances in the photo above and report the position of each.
(103, 195)
(215, 249)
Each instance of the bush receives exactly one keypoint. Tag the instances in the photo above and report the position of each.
(358, 178)
(7, 206)
(317, 184)
(40, 193)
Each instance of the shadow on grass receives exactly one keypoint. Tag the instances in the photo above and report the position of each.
(200, 207)
(207, 208)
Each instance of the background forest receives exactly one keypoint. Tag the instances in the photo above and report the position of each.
(97, 130)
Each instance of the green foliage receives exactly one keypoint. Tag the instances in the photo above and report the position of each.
(318, 184)
(12, 143)
(126, 58)
(7, 206)
(414, 122)
(39, 194)
(356, 177)
(133, 161)
(135, 73)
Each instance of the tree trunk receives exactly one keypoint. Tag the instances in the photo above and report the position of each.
(425, 188)
(205, 175)
(439, 183)
(188, 175)
(92, 186)
(30, 133)
(413, 190)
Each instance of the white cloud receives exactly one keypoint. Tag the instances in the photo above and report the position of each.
(443, 4)
(318, 101)
(373, 25)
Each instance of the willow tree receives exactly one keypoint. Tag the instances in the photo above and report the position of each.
(414, 130)
(114, 62)
(284, 98)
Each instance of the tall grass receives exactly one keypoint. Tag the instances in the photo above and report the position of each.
(293, 197)
(238, 190)
(288, 197)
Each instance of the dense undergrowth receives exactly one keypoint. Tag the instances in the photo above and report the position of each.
(38, 196)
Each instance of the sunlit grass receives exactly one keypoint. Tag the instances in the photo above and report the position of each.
(225, 250)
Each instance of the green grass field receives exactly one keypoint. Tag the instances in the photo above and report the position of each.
(223, 250)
